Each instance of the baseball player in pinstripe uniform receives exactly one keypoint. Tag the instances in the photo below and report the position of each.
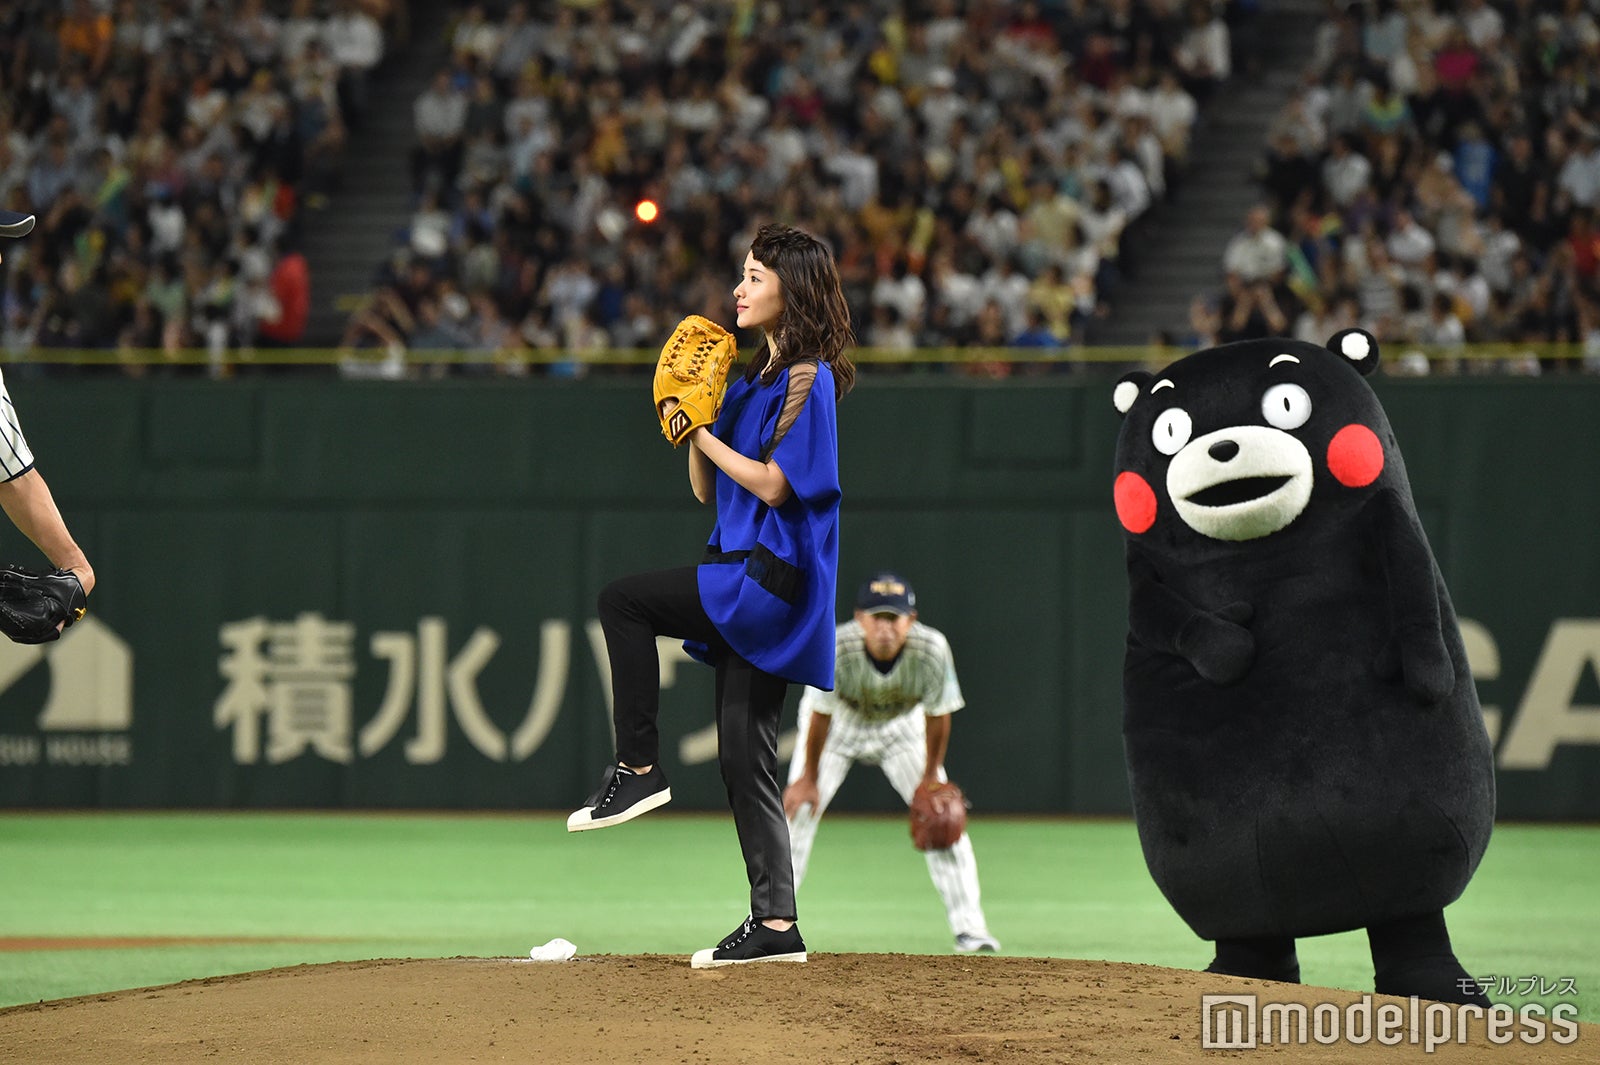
(895, 688)
(24, 495)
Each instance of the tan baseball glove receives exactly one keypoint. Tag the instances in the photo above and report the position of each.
(693, 370)
(938, 816)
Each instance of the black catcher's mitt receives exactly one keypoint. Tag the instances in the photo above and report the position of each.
(35, 607)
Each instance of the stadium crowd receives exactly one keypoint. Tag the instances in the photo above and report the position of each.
(1436, 180)
(169, 149)
(975, 165)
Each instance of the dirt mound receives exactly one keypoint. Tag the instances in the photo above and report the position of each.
(872, 1009)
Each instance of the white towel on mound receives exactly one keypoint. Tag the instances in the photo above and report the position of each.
(555, 950)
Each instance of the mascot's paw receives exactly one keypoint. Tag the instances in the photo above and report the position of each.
(1429, 675)
(1423, 667)
(1439, 978)
(1239, 613)
(1218, 645)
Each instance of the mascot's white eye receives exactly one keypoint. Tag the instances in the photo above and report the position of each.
(1286, 406)
(1172, 431)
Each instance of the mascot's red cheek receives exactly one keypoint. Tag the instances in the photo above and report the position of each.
(1136, 502)
(1355, 456)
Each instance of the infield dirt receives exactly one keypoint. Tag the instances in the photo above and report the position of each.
(862, 1009)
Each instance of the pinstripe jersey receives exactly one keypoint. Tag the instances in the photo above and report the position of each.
(15, 458)
(923, 675)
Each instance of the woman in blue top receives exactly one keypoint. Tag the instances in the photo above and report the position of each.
(759, 606)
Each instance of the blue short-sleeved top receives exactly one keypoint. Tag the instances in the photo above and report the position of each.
(770, 576)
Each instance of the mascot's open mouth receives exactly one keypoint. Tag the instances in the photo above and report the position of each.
(1239, 490)
(1260, 487)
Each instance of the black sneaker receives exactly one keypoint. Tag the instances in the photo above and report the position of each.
(622, 796)
(737, 934)
(752, 942)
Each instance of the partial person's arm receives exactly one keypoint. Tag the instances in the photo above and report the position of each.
(816, 740)
(28, 503)
(938, 743)
(1269, 308)
(803, 792)
(764, 480)
(702, 478)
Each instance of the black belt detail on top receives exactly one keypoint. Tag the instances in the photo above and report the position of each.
(765, 568)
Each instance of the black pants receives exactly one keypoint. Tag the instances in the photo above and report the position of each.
(633, 612)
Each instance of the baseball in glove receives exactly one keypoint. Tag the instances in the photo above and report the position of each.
(693, 370)
(938, 816)
(35, 607)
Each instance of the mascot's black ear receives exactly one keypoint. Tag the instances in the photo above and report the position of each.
(1359, 348)
(1129, 386)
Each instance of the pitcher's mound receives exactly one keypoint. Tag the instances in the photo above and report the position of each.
(872, 1009)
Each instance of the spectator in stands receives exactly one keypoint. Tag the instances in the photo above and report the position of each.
(1347, 100)
(928, 160)
(290, 288)
(1287, 172)
(476, 41)
(1409, 244)
(1056, 302)
(1378, 281)
(85, 37)
(1258, 252)
(901, 290)
(1037, 333)
(1383, 38)
(1173, 112)
(1386, 112)
(1583, 242)
(889, 332)
(1251, 310)
(1130, 188)
(1465, 222)
(1205, 325)
(355, 41)
(1346, 173)
(1204, 55)
(1323, 318)
(299, 30)
(518, 45)
(440, 116)
(171, 148)
(1579, 176)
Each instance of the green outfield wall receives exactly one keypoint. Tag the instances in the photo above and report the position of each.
(317, 593)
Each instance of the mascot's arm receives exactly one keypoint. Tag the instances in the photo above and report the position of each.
(1415, 652)
(1215, 642)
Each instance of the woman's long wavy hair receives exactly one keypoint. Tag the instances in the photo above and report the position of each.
(815, 322)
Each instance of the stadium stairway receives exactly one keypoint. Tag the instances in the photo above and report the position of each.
(1176, 248)
(347, 240)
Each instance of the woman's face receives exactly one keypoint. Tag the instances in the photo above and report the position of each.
(758, 300)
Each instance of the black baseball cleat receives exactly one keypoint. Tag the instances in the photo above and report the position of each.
(752, 942)
(622, 796)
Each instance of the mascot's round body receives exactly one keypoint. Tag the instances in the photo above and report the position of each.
(1305, 748)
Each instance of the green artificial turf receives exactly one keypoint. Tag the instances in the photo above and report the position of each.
(302, 888)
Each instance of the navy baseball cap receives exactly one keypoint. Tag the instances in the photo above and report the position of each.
(15, 224)
(887, 593)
